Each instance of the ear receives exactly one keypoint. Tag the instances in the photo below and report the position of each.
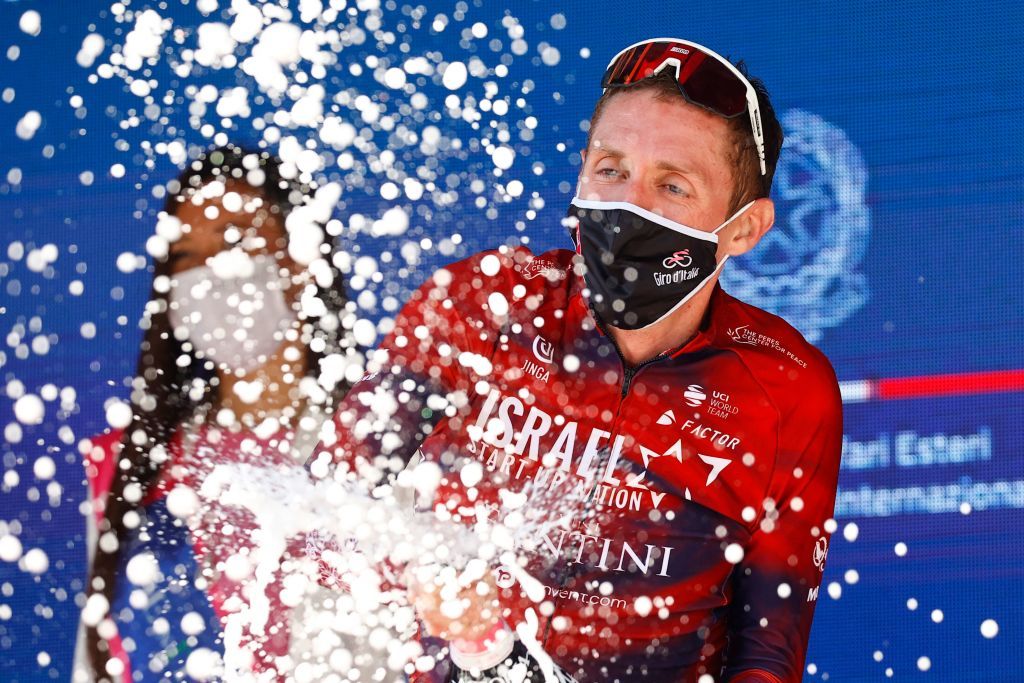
(746, 231)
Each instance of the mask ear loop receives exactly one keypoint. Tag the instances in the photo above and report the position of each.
(734, 216)
(727, 222)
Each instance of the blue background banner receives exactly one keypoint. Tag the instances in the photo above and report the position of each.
(897, 250)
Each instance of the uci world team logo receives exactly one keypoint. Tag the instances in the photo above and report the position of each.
(694, 395)
(806, 268)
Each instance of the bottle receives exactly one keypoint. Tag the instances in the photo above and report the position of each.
(498, 657)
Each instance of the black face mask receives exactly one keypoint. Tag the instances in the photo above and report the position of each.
(640, 266)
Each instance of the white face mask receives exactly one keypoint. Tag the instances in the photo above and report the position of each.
(234, 309)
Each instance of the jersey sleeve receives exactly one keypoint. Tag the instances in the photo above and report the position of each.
(775, 585)
(425, 370)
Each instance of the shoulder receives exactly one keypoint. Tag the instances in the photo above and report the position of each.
(513, 273)
(798, 376)
(514, 265)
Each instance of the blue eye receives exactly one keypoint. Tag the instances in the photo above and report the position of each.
(606, 170)
(676, 189)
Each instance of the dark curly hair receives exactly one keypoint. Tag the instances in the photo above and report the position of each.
(165, 384)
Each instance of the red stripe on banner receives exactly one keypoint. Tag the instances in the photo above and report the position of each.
(939, 385)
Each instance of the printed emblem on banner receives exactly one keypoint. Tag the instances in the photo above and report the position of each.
(806, 269)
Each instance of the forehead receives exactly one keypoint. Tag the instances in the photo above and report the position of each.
(640, 125)
(213, 206)
(213, 190)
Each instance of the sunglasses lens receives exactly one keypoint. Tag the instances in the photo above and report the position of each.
(705, 80)
(712, 85)
(635, 64)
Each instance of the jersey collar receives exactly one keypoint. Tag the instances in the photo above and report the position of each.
(704, 336)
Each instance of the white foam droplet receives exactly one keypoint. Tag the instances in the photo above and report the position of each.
(498, 304)
(203, 664)
(550, 55)
(364, 332)
(119, 414)
(35, 561)
(31, 23)
(142, 569)
(10, 548)
(29, 409)
(28, 125)
(192, 624)
(454, 76)
(733, 553)
(490, 265)
(182, 502)
(96, 607)
(395, 221)
(471, 474)
(503, 157)
(44, 468)
(92, 47)
(571, 363)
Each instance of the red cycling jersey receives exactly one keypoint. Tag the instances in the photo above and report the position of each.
(677, 512)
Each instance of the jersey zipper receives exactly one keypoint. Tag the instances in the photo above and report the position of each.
(629, 373)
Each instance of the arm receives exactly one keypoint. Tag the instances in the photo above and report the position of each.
(424, 369)
(776, 584)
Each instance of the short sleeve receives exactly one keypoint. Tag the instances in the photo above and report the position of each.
(426, 368)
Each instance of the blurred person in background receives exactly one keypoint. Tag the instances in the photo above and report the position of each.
(234, 335)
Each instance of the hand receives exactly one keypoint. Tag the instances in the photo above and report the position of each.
(455, 606)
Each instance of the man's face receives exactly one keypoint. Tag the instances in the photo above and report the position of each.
(669, 157)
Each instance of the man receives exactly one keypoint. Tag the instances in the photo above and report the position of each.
(684, 445)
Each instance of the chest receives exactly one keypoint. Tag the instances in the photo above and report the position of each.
(560, 419)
